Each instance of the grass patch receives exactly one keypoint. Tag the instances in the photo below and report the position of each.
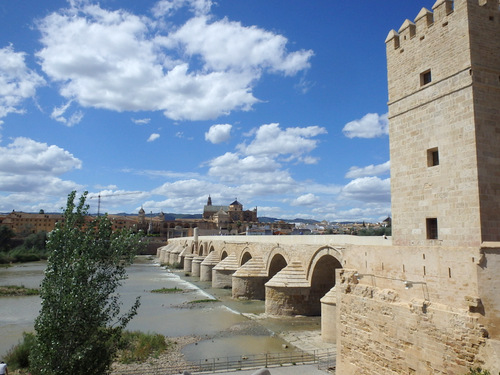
(137, 347)
(208, 300)
(167, 290)
(15, 290)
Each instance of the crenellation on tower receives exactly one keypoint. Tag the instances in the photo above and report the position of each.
(392, 39)
(407, 30)
(442, 8)
(425, 18)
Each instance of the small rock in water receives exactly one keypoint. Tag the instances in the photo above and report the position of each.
(285, 346)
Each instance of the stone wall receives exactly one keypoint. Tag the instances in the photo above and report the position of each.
(379, 333)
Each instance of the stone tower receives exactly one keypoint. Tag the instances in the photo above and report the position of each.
(444, 113)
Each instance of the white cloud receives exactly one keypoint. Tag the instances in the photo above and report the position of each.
(153, 137)
(232, 167)
(271, 140)
(368, 189)
(370, 170)
(306, 200)
(141, 121)
(29, 202)
(372, 125)
(107, 187)
(25, 156)
(227, 45)
(165, 8)
(17, 82)
(58, 112)
(120, 61)
(218, 133)
(28, 167)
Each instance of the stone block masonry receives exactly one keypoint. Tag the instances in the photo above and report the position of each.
(394, 336)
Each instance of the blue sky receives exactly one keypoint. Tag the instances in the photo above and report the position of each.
(280, 104)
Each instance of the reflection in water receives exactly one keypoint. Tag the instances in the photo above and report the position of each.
(221, 328)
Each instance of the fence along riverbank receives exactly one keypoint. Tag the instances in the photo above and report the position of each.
(322, 359)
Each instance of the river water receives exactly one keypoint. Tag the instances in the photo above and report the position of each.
(224, 326)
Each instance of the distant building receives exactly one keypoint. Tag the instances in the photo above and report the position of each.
(229, 214)
(26, 223)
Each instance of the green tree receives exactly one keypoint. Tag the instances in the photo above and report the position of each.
(80, 325)
(35, 241)
(6, 235)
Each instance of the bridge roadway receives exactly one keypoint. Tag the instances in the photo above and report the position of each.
(295, 275)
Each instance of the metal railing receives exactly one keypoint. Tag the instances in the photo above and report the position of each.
(324, 359)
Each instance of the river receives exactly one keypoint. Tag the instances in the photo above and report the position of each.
(223, 326)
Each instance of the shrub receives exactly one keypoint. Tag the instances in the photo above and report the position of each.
(18, 356)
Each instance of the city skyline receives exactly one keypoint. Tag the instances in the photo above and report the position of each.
(282, 105)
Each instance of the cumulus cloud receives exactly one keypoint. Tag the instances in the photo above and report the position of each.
(30, 166)
(306, 200)
(372, 125)
(120, 61)
(271, 140)
(26, 156)
(218, 133)
(248, 168)
(17, 82)
(153, 137)
(368, 189)
(370, 170)
(262, 166)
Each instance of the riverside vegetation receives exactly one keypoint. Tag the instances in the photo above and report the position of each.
(26, 247)
(15, 290)
(133, 347)
(80, 318)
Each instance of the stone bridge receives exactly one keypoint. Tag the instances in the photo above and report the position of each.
(293, 274)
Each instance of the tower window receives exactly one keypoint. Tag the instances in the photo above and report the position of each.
(432, 157)
(425, 77)
(432, 229)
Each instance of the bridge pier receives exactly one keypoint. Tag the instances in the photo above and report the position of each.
(249, 280)
(287, 293)
(188, 262)
(222, 273)
(207, 265)
(329, 317)
(174, 254)
(161, 253)
(196, 265)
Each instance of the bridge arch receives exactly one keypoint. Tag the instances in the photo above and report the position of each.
(200, 250)
(276, 262)
(245, 256)
(320, 253)
(321, 275)
(223, 254)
